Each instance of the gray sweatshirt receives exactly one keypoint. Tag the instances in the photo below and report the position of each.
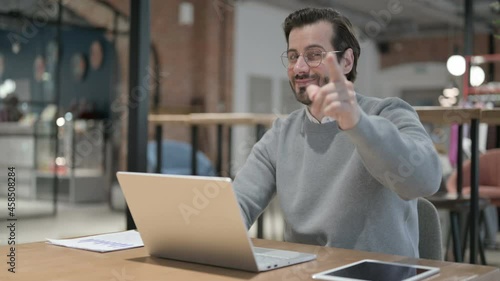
(353, 189)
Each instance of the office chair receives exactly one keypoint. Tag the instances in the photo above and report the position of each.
(430, 240)
(489, 177)
(489, 188)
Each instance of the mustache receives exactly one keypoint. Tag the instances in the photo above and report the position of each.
(306, 76)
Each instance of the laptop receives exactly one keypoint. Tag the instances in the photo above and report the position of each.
(197, 219)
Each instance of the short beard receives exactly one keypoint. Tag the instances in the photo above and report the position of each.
(302, 96)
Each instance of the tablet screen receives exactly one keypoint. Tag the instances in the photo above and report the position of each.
(378, 271)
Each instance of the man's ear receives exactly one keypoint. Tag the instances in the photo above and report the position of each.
(347, 61)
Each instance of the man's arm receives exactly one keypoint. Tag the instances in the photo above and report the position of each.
(255, 183)
(392, 142)
(397, 150)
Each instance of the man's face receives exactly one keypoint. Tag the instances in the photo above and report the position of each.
(315, 36)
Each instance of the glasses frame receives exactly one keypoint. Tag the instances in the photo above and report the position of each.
(287, 65)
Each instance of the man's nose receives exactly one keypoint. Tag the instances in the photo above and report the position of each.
(300, 66)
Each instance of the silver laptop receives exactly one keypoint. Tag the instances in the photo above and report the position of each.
(197, 219)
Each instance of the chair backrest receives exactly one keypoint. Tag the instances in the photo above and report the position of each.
(489, 177)
(430, 240)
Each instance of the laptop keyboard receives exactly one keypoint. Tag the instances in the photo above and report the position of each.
(263, 259)
(266, 257)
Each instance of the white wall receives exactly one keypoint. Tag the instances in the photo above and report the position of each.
(259, 42)
(428, 75)
(368, 67)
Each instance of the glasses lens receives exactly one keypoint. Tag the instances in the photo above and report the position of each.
(289, 58)
(313, 57)
(284, 59)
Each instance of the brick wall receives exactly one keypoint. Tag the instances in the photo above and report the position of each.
(434, 49)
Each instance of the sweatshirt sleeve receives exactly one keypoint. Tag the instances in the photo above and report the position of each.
(397, 150)
(255, 183)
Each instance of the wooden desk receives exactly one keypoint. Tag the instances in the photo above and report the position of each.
(41, 261)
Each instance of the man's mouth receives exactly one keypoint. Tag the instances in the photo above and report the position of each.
(303, 82)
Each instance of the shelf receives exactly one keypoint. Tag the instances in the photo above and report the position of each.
(484, 89)
(78, 172)
(480, 59)
(16, 128)
(72, 189)
(81, 148)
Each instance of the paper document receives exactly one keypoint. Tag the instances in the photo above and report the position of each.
(103, 243)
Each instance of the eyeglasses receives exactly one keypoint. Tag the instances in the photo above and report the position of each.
(312, 57)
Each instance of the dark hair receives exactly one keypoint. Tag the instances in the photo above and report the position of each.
(343, 35)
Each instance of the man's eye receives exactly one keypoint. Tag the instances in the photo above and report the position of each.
(314, 56)
(293, 57)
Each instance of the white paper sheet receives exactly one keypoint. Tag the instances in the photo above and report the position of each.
(104, 242)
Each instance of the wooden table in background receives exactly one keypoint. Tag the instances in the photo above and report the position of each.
(194, 120)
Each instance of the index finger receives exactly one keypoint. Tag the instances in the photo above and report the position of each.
(335, 72)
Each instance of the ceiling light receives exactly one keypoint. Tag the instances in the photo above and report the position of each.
(476, 76)
(456, 65)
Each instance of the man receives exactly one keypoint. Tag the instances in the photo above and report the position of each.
(347, 169)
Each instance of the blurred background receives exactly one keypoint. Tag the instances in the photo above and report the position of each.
(65, 80)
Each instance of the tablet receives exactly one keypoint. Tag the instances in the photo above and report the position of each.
(373, 270)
